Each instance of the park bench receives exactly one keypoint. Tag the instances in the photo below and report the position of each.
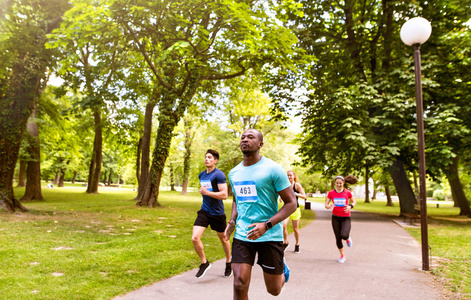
(411, 217)
(414, 216)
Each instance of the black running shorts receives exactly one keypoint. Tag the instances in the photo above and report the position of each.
(217, 223)
(270, 255)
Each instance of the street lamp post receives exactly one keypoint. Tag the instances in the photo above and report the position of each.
(414, 33)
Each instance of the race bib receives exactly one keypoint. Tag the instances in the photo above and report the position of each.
(207, 184)
(246, 191)
(340, 202)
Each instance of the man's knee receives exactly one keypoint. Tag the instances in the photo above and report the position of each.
(240, 286)
(275, 291)
(195, 239)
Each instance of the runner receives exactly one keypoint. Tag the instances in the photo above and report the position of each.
(257, 182)
(214, 190)
(296, 216)
(342, 202)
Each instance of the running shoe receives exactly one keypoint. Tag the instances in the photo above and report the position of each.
(285, 246)
(228, 270)
(203, 268)
(286, 270)
(342, 259)
(349, 241)
(296, 249)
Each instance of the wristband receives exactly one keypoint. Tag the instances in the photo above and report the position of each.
(351, 206)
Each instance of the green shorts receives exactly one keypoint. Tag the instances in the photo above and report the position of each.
(294, 216)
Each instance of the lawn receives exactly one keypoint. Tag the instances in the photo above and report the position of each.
(449, 239)
(79, 246)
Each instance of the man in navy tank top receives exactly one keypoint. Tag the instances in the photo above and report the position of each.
(214, 191)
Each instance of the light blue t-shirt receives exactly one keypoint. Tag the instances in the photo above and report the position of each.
(256, 190)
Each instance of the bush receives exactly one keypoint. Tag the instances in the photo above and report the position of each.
(430, 192)
(439, 194)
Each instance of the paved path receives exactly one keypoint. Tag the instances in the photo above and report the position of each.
(383, 263)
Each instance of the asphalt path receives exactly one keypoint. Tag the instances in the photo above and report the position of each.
(383, 263)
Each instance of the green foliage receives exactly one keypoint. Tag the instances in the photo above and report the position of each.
(439, 195)
(357, 114)
(23, 65)
(359, 111)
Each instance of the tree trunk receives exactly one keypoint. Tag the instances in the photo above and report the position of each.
(404, 190)
(352, 44)
(367, 185)
(185, 187)
(145, 157)
(22, 173)
(375, 191)
(97, 155)
(17, 102)
(189, 136)
(33, 171)
(162, 146)
(118, 180)
(56, 178)
(388, 195)
(416, 185)
(455, 183)
(109, 177)
(16, 105)
(61, 178)
(75, 176)
(168, 119)
(138, 160)
(172, 178)
(454, 198)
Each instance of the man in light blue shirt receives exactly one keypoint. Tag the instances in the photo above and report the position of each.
(257, 182)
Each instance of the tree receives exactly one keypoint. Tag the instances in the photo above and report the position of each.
(243, 105)
(187, 43)
(33, 169)
(361, 112)
(144, 155)
(87, 39)
(23, 64)
(448, 111)
(190, 126)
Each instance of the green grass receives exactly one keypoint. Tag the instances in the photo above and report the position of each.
(449, 238)
(79, 246)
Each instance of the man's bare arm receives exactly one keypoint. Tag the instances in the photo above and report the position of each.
(221, 195)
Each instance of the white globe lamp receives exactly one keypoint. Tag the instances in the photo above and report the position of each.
(416, 31)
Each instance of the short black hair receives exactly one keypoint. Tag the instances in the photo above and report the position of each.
(257, 133)
(214, 153)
